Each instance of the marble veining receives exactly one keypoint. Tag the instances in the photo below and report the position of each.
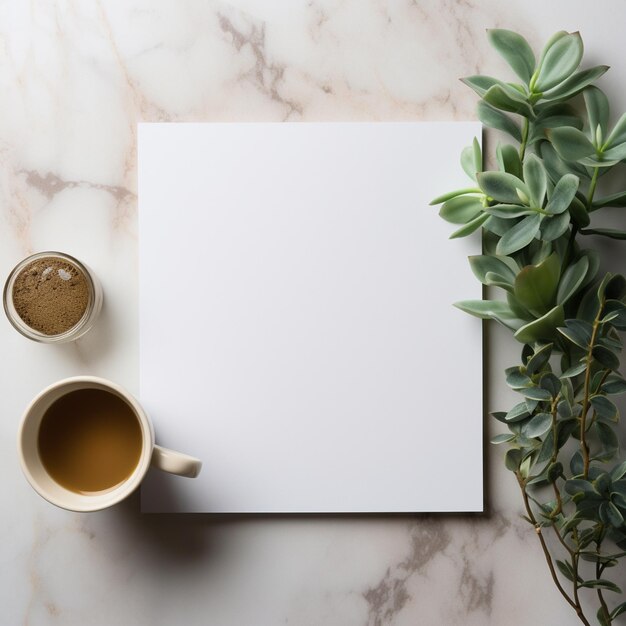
(75, 78)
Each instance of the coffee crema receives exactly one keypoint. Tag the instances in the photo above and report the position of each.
(90, 441)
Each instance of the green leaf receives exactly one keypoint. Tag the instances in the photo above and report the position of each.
(615, 288)
(461, 210)
(508, 160)
(604, 407)
(578, 332)
(575, 83)
(509, 211)
(543, 328)
(516, 379)
(607, 437)
(611, 233)
(618, 134)
(579, 214)
(453, 194)
(493, 118)
(471, 159)
(515, 51)
(572, 280)
(470, 227)
(563, 194)
(554, 226)
(502, 187)
(600, 583)
(512, 459)
(560, 59)
(517, 413)
(551, 384)
(519, 236)
(597, 109)
(570, 143)
(491, 309)
(538, 359)
(535, 393)
(536, 285)
(480, 84)
(482, 264)
(605, 357)
(565, 569)
(617, 153)
(538, 425)
(536, 180)
(614, 200)
(618, 610)
(575, 370)
(502, 438)
(614, 387)
(507, 99)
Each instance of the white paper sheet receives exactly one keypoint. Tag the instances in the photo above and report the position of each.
(296, 323)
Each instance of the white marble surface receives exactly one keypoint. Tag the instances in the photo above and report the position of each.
(75, 78)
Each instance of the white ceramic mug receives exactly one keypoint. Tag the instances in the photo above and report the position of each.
(151, 454)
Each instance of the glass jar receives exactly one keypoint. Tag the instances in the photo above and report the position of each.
(66, 268)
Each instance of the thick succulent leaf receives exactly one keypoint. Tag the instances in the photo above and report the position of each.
(536, 179)
(538, 425)
(575, 83)
(611, 233)
(480, 84)
(502, 187)
(616, 153)
(482, 264)
(543, 328)
(508, 160)
(560, 59)
(597, 109)
(491, 309)
(570, 143)
(572, 280)
(515, 51)
(519, 236)
(509, 211)
(506, 98)
(618, 134)
(614, 200)
(493, 118)
(471, 159)
(470, 227)
(554, 226)
(563, 194)
(536, 285)
(461, 209)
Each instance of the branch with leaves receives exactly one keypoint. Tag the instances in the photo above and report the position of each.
(533, 211)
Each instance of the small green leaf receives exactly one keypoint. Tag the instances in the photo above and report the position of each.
(483, 263)
(597, 108)
(502, 438)
(615, 288)
(536, 180)
(508, 160)
(536, 285)
(614, 387)
(575, 370)
(604, 407)
(461, 210)
(607, 437)
(470, 227)
(611, 233)
(519, 236)
(618, 134)
(517, 413)
(618, 471)
(554, 226)
(508, 99)
(493, 118)
(560, 59)
(509, 211)
(535, 393)
(512, 459)
(453, 194)
(605, 357)
(515, 51)
(565, 569)
(618, 610)
(538, 359)
(543, 328)
(600, 583)
(501, 186)
(572, 280)
(538, 425)
(563, 194)
(614, 200)
(578, 332)
(551, 384)
(570, 143)
(575, 83)
(480, 84)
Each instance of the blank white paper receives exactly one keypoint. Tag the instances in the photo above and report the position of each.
(297, 331)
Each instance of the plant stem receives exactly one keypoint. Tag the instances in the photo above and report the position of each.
(531, 516)
(522, 148)
(592, 187)
(583, 417)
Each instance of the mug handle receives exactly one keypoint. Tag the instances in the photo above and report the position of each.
(175, 462)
